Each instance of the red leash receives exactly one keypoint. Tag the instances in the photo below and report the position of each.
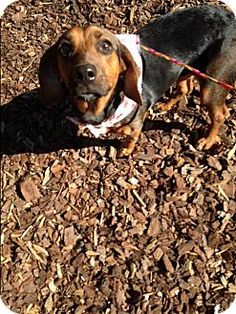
(191, 69)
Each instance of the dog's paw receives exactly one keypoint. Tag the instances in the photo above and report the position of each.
(205, 143)
(165, 106)
(124, 152)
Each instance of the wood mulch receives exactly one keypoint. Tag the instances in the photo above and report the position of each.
(84, 232)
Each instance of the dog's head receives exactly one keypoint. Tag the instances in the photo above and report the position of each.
(85, 64)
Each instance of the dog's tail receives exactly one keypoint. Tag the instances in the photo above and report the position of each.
(231, 5)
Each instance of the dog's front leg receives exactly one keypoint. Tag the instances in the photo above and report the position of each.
(132, 132)
(185, 87)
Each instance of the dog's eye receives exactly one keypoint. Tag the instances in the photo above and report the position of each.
(66, 49)
(105, 47)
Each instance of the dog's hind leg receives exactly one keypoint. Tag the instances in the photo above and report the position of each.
(213, 98)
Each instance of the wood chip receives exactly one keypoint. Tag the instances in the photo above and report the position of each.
(168, 264)
(70, 236)
(154, 227)
(29, 190)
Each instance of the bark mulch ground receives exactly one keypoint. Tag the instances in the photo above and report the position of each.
(84, 232)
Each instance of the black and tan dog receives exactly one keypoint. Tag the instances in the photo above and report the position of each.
(92, 67)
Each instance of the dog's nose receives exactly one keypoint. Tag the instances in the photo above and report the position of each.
(85, 73)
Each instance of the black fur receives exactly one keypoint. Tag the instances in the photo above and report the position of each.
(186, 35)
(223, 67)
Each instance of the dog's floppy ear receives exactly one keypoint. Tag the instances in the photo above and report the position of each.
(52, 90)
(131, 74)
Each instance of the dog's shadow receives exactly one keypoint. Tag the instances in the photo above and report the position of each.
(28, 127)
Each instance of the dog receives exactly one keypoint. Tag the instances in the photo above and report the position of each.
(97, 71)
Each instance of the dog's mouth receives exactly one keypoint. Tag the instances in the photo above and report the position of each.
(92, 103)
(89, 93)
(86, 103)
(88, 97)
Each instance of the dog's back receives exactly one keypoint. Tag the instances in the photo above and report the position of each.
(184, 35)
